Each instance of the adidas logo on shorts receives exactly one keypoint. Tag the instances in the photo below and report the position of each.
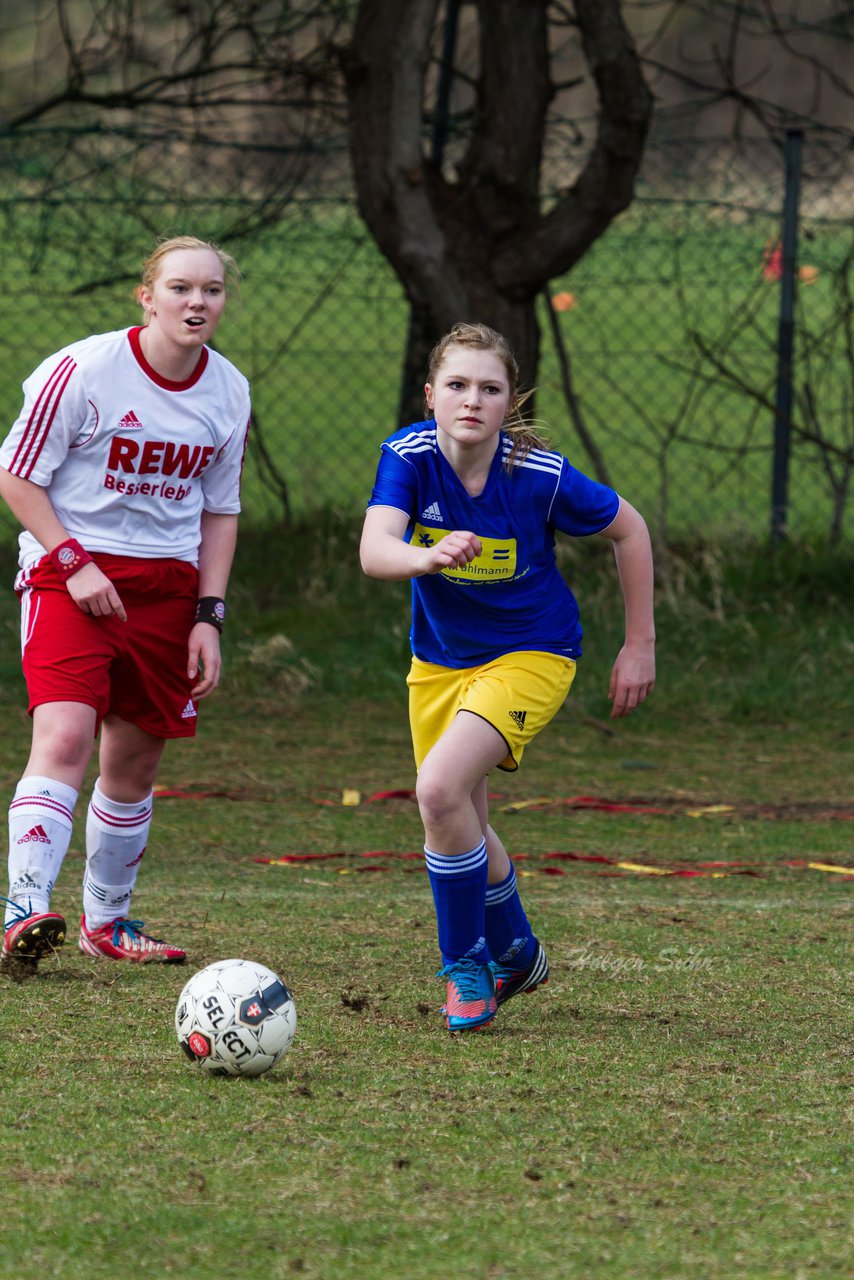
(189, 711)
(518, 717)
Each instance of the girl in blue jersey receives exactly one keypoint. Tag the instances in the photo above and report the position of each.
(466, 505)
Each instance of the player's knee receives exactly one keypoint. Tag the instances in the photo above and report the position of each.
(132, 775)
(437, 796)
(67, 746)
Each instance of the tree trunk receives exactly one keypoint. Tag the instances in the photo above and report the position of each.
(476, 246)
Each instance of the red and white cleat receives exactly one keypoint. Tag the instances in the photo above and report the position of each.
(124, 940)
(33, 935)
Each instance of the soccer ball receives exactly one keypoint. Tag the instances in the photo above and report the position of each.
(235, 1018)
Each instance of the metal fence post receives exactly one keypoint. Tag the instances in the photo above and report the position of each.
(786, 339)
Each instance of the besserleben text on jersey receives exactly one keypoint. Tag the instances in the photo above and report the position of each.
(164, 458)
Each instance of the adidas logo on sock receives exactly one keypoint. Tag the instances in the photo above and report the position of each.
(96, 890)
(189, 711)
(130, 422)
(35, 835)
(24, 882)
(512, 951)
(518, 717)
(432, 512)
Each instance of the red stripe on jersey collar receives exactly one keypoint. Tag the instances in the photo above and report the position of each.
(166, 383)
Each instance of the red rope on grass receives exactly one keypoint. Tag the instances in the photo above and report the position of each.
(351, 798)
(600, 804)
(623, 865)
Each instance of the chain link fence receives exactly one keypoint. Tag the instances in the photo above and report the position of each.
(672, 328)
(659, 350)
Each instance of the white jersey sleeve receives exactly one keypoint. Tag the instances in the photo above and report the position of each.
(221, 479)
(56, 413)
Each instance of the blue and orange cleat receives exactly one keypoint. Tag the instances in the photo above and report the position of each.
(470, 999)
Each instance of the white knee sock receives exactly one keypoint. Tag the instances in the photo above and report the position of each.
(40, 817)
(116, 836)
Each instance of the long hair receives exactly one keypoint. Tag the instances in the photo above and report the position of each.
(479, 337)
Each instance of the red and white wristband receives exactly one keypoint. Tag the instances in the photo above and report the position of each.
(68, 557)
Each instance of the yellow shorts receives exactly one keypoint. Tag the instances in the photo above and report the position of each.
(518, 694)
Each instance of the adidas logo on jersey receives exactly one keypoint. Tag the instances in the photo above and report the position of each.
(432, 512)
(35, 835)
(189, 711)
(130, 422)
(518, 717)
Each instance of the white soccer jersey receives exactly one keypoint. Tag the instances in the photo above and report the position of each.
(129, 459)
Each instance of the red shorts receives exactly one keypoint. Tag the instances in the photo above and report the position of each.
(136, 669)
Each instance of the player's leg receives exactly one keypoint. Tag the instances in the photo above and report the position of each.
(149, 703)
(450, 775)
(40, 820)
(519, 961)
(497, 856)
(519, 693)
(118, 819)
(66, 656)
(117, 826)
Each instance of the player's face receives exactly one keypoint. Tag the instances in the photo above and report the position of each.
(187, 297)
(470, 396)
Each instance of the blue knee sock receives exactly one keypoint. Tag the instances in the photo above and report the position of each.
(458, 882)
(508, 933)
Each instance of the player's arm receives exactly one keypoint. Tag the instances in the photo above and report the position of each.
(633, 673)
(384, 554)
(88, 587)
(216, 553)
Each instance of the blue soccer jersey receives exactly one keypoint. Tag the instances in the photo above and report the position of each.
(511, 597)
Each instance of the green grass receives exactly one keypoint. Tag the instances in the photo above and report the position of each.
(320, 332)
(670, 1106)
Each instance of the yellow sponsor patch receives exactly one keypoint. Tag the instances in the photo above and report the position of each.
(496, 562)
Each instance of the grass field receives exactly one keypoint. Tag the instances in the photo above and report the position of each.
(670, 1106)
(320, 332)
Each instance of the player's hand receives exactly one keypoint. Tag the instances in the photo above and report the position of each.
(93, 593)
(454, 551)
(204, 660)
(632, 678)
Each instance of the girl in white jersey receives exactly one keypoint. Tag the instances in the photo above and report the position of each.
(465, 505)
(124, 469)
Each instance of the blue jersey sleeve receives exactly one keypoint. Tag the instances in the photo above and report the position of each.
(396, 484)
(582, 506)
